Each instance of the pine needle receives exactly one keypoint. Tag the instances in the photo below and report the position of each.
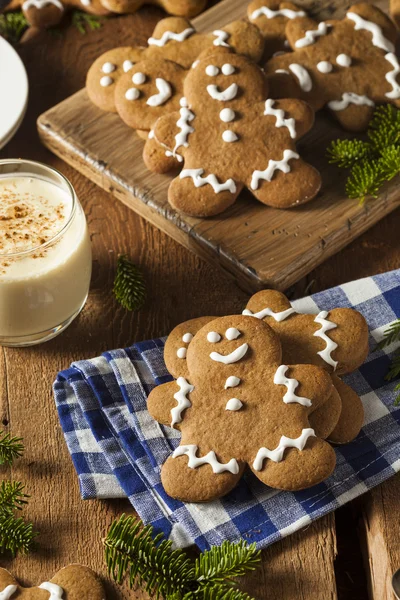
(85, 21)
(390, 335)
(12, 26)
(345, 153)
(16, 535)
(10, 448)
(129, 286)
(131, 551)
(365, 180)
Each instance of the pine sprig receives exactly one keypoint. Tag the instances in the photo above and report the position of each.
(10, 448)
(12, 26)
(131, 551)
(16, 535)
(129, 286)
(371, 162)
(85, 21)
(390, 335)
(12, 497)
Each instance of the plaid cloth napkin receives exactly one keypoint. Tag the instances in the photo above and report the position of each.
(117, 448)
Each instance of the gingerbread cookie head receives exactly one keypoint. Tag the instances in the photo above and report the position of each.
(48, 13)
(336, 340)
(348, 65)
(73, 582)
(239, 405)
(229, 137)
(271, 17)
(180, 8)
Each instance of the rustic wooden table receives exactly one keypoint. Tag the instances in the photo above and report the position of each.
(346, 555)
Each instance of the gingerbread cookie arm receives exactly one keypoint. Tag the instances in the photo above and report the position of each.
(344, 332)
(306, 385)
(294, 115)
(352, 415)
(373, 14)
(157, 157)
(326, 417)
(161, 402)
(351, 117)
(79, 582)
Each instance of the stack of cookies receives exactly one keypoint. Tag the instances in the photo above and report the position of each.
(260, 390)
(220, 122)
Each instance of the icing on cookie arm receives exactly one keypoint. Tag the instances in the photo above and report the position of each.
(162, 403)
(8, 592)
(182, 400)
(330, 345)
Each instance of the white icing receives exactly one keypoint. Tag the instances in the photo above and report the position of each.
(302, 76)
(56, 593)
(196, 175)
(271, 14)
(227, 69)
(106, 81)
(181, 138)
(164, 93)
(39, 4)
(187, 338)
(127, 65)
(276, 455)
(229, 136)
(132, 94)
(221, 37)
(324, 66)
(279, 114)
(350, 98)
(343, 60)
(227, 115)
(108, 67)
(234, 404)
(378, 39)
(232, 333)
(212, 70)
(311, 35)
(138, 78)
(151, 134)
(282, 71)
(167, 36)
(190, 450)
(326, 325)
(194, 65)
(231, 382)
(183, 102)
(292, 384)
(86, 2)
(213, 337)
(232, 357)
(228, 94)
(273, 165)
(268, 312)
(279, 53)
(181, 352)
(183, 402)
(8, 592)
(391, 76)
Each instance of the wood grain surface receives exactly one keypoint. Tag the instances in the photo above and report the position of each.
(336, 557)
(256, 244)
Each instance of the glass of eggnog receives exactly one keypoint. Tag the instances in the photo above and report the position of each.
(45, 254)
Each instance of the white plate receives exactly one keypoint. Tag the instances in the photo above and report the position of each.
(14, 91)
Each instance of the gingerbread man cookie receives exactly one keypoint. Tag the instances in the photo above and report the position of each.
(228, 137)
(73, 583)
(336, 340)
(271, 17)
(47, 13)
(239, 405)
(348, 66)
(173, 39)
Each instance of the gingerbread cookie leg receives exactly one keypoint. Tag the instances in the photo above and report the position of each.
(351, 117)
(352, 416)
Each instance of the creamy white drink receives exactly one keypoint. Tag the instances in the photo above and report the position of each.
(45, 255)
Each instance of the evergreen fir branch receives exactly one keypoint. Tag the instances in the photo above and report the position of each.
(223, 562)
(365, 180)
(12, 497)
(12, 26)
(390, 335)
(345, 153)
(85, 21)
(10, 448)
(129, 286)
(16, 535)
(131, 551)
(384, 128)
(390, 162)
(394, 369)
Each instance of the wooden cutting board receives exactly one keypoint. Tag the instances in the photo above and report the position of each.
(258, 245)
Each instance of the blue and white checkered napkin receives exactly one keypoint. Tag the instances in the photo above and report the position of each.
(118, 449)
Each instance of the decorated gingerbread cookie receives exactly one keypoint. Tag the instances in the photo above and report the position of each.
(227, 136)
(180, 8)
(271, 17)
(173, 39)
(240, 405)
(348, 66)
(71, 583)
(47, 13)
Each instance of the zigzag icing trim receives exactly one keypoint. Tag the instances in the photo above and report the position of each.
(276, 455)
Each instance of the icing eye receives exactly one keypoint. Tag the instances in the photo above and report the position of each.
(132, 94)
(108, 67)
(212, 71)
(228, 69)
(324, 66)
(343, 60)
(232, 333)
(106, 81)
(127, 65)
(187, 338)
(138, 78)
(234, 404)
(181, 352)
(213, 337)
